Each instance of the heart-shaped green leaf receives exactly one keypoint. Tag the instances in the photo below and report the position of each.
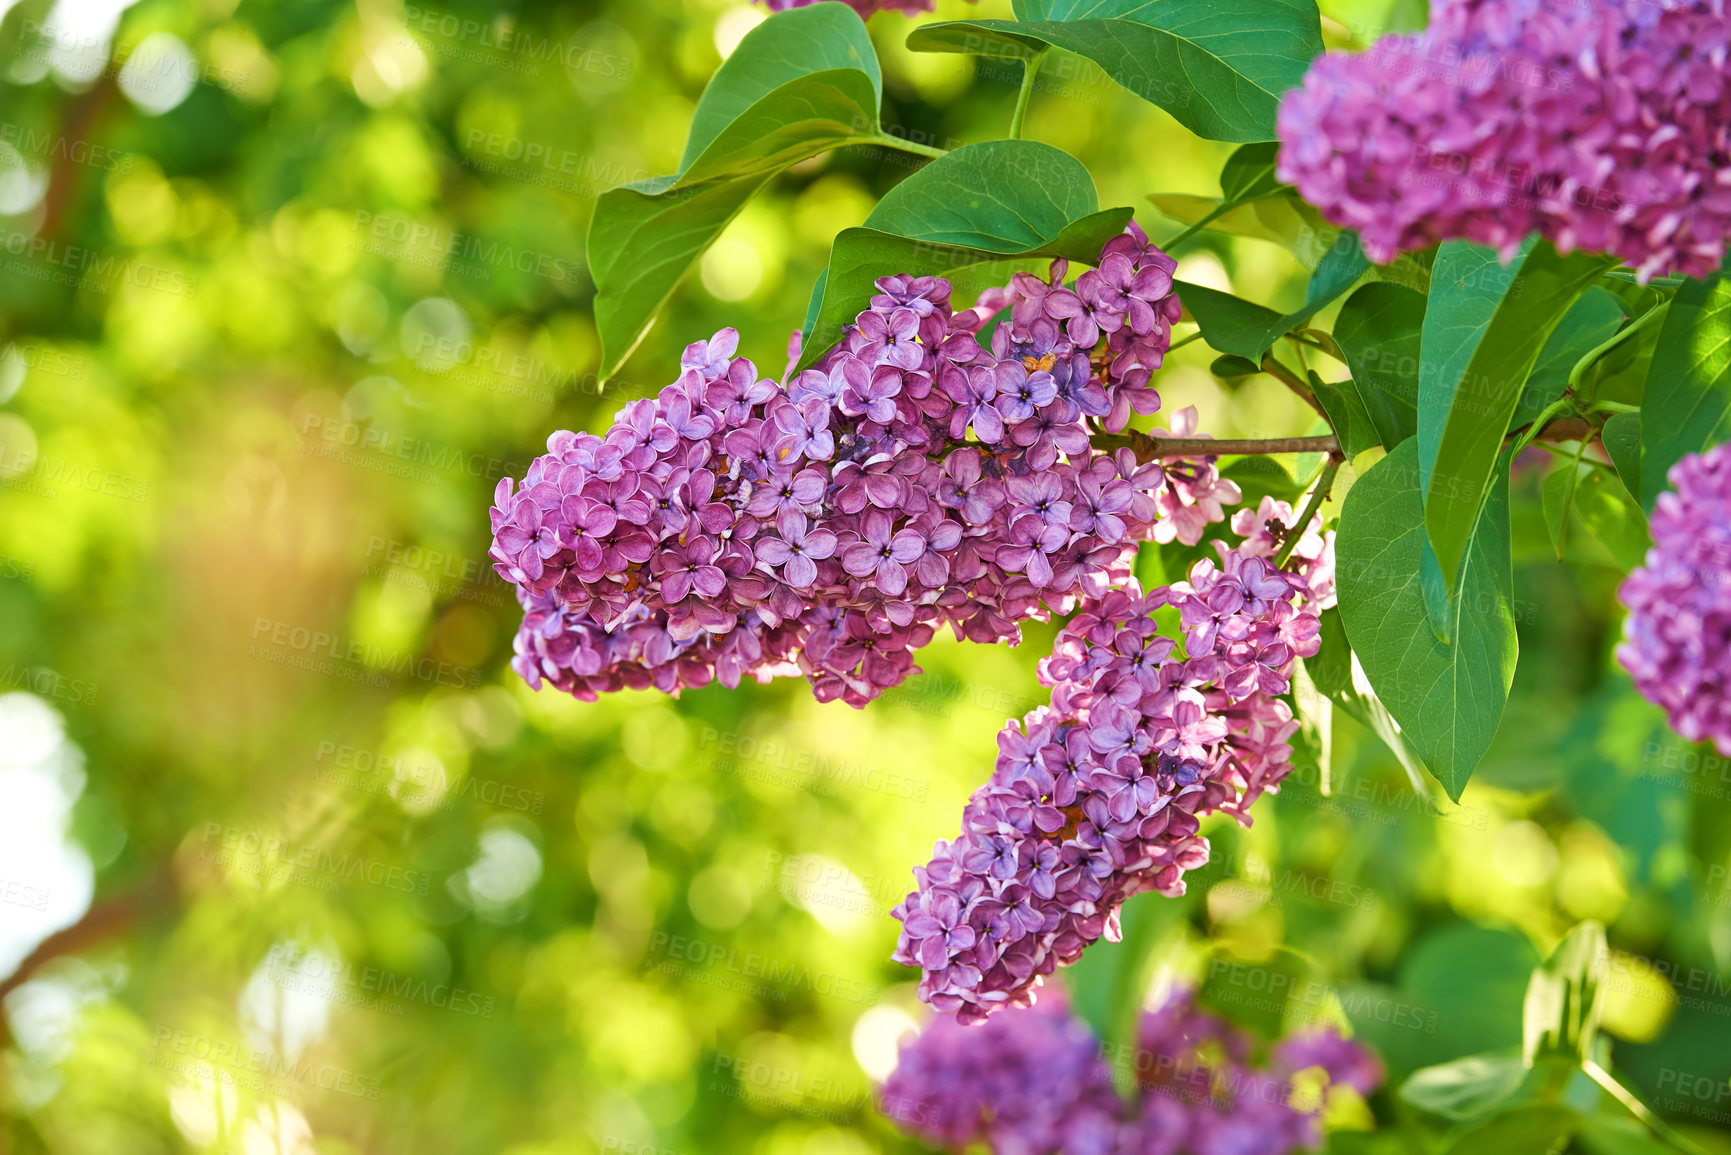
(1248, 330)
(1483, 329)
(1378, 329)
(978, 206)
(1687, 406)
(1219, 69)
(1447, 693)
(802, 82)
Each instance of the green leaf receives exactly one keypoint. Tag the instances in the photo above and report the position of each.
(1229, 366)
(1378, 329)
(1540, 1129)
(1003, 199)
(1622, 437)
(1687, 406)
(1557, 496)
(802, 82)
(1467, 1089)
(1566, 996)
(1592, 321)
(641, 242)
(1248, 174)
(1614, 518)
(808, 77)
(1483, 330)
(1609, 1135)
(1339, 677)
(1219, 70)
(1352, 425)
(1248, 330)
(1447, 696)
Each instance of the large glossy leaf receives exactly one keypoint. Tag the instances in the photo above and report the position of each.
(1687, 406)
(1483, 329)
(802, 82)
(1249, 330)
(1219, 69)
(1592, 320)
(1378, 329)
(1015, 199)
(1447, 694)
(641, 242)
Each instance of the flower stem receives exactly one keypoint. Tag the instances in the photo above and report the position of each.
(1030, 69)
(1623, 1095)
(1189, 231)
(1196, 336)
(1317, 497)
(1291, 380)
(897, 142)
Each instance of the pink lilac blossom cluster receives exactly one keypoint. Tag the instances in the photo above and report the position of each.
(1034, 1080)
(733, 526)
(1603, 126)
(1677, 636)
(1098, 796)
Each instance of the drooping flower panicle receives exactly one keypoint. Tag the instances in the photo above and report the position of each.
(1603, 126)
(1035, 1080)
(915, 478)
(1677, 636)
(1098, 796)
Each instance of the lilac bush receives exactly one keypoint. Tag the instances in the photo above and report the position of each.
(1098, 796)
(1034, 1080)
(1677, 636)
(915, 478)
(1601, 126)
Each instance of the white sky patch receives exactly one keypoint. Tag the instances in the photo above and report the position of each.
(46, 879)
(509, 864)
(283, 1007)
(79, 36)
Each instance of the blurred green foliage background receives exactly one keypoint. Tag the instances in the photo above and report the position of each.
(284, 290)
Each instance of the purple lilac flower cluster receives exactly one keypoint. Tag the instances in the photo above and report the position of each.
(1097, 797)
(733, 526)
(1603, 126)
(1677, 637)
(1033, 1080)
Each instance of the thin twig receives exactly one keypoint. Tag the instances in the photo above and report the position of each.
(1030, 69)
(1150, 448)
(1317, 497)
